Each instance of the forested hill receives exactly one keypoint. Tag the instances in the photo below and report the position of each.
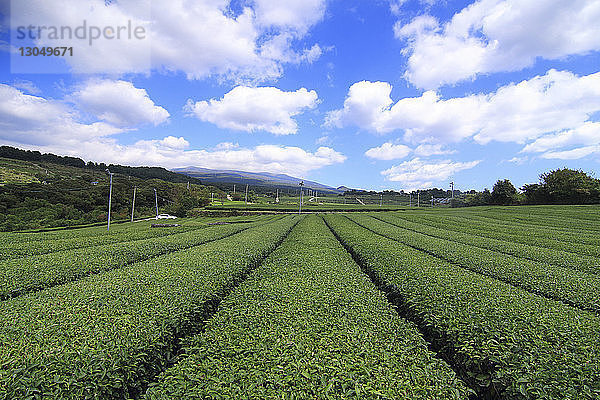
(51, 191)
(138, 172)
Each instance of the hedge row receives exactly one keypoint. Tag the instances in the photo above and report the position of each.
(565, 284)
(106, 336)
(514, 344)
(308, 324)
(535, 253)
(553, 223)
(11, 249)
(567, 242)
(569, 233)
(68, 232)
(22, 275)
(16, 246)
(585, 213)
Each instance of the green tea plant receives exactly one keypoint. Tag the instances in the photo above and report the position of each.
(308, 323)
(565, 284)
(580, 243)
(513, 344)
(106, 336)
(23, 275)
(525, 251)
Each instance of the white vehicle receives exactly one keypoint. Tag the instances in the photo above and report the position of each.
(166, 216)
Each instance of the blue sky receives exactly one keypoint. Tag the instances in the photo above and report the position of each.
(386, 94)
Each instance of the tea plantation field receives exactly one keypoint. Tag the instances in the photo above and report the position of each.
(479, 303)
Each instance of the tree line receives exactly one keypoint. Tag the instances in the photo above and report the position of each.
(560, 186)
(138, 172)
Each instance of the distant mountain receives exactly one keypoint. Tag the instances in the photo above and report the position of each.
(254, 179)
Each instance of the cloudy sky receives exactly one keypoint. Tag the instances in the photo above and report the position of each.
(377, 94)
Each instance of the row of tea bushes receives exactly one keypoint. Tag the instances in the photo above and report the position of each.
(544, 255)
(17, 245)
(23, 275)
(579, 243)
(308, 324)
(565, 284)
(512, 343)
(106, 336)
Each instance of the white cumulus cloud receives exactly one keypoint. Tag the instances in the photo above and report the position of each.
(518, 112)
(173, 142)
(587, 134)
(365, 103)
(290, 160)
(572, 154)
(388, 151)
(119, 103)
(497, 35)
(226, 146)
(56, 126)
(28, 119)
(255, 108)
(295, 15)
(420, 174)
(247, 41)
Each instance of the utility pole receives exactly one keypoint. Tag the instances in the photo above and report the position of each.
(188, 186)
(246, 201)
(233, 189)
(133, 204)
(277, 197)
(300, 209)
(380, 199)
(452, 187)
(418, 198)
(410, 199)
(156, 202)
(211, 197)
(431, 201)
(109, 198)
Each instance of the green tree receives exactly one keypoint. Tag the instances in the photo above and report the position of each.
(504, 193)
(536, 194)
(569, 186)
(483, 198)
